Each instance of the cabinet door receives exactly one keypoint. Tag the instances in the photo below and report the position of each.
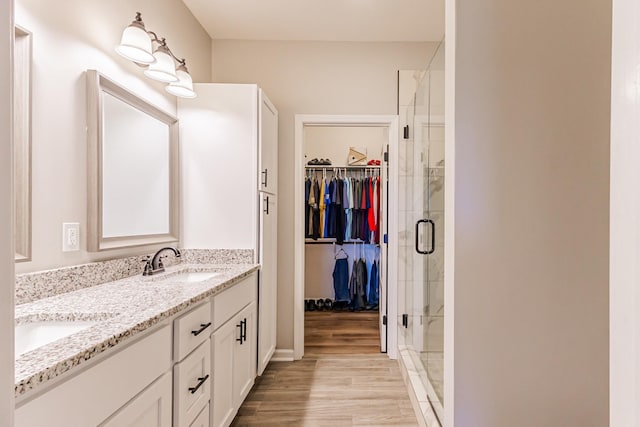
(224, 343)
(201, 420)
(244, 357)
(151, 408)
(268, 145)
(268, 282)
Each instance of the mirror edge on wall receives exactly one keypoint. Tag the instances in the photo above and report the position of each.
(22, 88)
(97, 83)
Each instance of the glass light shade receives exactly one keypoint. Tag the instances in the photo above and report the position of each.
(135, 44)
(184, 86)
(164, 69)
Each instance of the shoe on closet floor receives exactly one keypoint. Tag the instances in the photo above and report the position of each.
(320, 304)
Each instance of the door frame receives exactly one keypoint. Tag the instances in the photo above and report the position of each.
(391, 122)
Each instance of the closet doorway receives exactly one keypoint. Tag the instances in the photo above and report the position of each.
(324, 244)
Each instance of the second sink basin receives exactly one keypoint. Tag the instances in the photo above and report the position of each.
(32, 335)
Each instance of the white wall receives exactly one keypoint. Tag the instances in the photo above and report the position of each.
(333, 142)
(69, 38)
(6, 217)
(625, 214)
(313, 78)
(532, 112)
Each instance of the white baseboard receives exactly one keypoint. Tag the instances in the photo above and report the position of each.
(282, 355)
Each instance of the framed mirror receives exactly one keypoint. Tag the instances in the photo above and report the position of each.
(22, 143)
(133, 169)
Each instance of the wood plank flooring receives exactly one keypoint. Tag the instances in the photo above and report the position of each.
(343, 380)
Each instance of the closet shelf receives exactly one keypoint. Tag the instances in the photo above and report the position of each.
(342, 167)
(331, 240)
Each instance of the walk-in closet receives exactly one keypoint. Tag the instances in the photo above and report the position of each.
(345, 191)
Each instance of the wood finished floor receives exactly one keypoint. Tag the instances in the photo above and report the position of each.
(343, 380)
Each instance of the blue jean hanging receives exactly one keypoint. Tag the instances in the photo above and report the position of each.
(341, 279)
(373, 285)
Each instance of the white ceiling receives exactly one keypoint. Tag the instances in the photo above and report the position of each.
(321, 20)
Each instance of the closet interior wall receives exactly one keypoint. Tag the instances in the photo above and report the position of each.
(333, 143)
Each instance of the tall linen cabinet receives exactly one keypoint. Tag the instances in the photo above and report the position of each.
(229, 181)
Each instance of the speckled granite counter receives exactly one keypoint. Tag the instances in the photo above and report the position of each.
(123, 309)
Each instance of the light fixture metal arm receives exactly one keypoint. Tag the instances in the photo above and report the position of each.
(163, 42)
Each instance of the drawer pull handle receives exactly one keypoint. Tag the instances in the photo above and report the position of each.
(244, 333)
(203, 326)
(201, 381)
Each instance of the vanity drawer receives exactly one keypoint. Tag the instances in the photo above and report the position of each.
(192, 385)
(227, 303)
(190, 330)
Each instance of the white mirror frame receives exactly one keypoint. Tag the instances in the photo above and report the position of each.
(22, 143)
(97, 86)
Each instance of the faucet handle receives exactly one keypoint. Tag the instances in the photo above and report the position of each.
(147, 266)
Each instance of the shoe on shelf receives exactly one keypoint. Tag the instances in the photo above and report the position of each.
(371, 162)
(377, 162)
(313, 162)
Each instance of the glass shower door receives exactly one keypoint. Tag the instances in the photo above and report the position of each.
(421, 270)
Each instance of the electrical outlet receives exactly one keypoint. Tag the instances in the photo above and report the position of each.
(70, 236)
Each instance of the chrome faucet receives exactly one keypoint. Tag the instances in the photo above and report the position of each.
(154, 265)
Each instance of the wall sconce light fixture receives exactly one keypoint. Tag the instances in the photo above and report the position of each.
(136, 45)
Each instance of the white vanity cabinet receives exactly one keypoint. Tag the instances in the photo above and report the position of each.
(151, 408)
(229, 178)
(234, 349)
(130, 387)
(158, 380)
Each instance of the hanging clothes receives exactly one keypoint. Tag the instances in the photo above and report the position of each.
(376, 237)
(358, 285)
(339, 212)
(346, 204)
(342, 207)
(323, 206)
(331, 209)
(313, 209)
(307, 211)
(374, 284)
(341, 279)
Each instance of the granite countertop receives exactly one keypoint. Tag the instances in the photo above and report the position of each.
(122, 309)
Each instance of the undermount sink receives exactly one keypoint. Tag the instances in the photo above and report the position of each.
(195, 276)
(31, 335)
